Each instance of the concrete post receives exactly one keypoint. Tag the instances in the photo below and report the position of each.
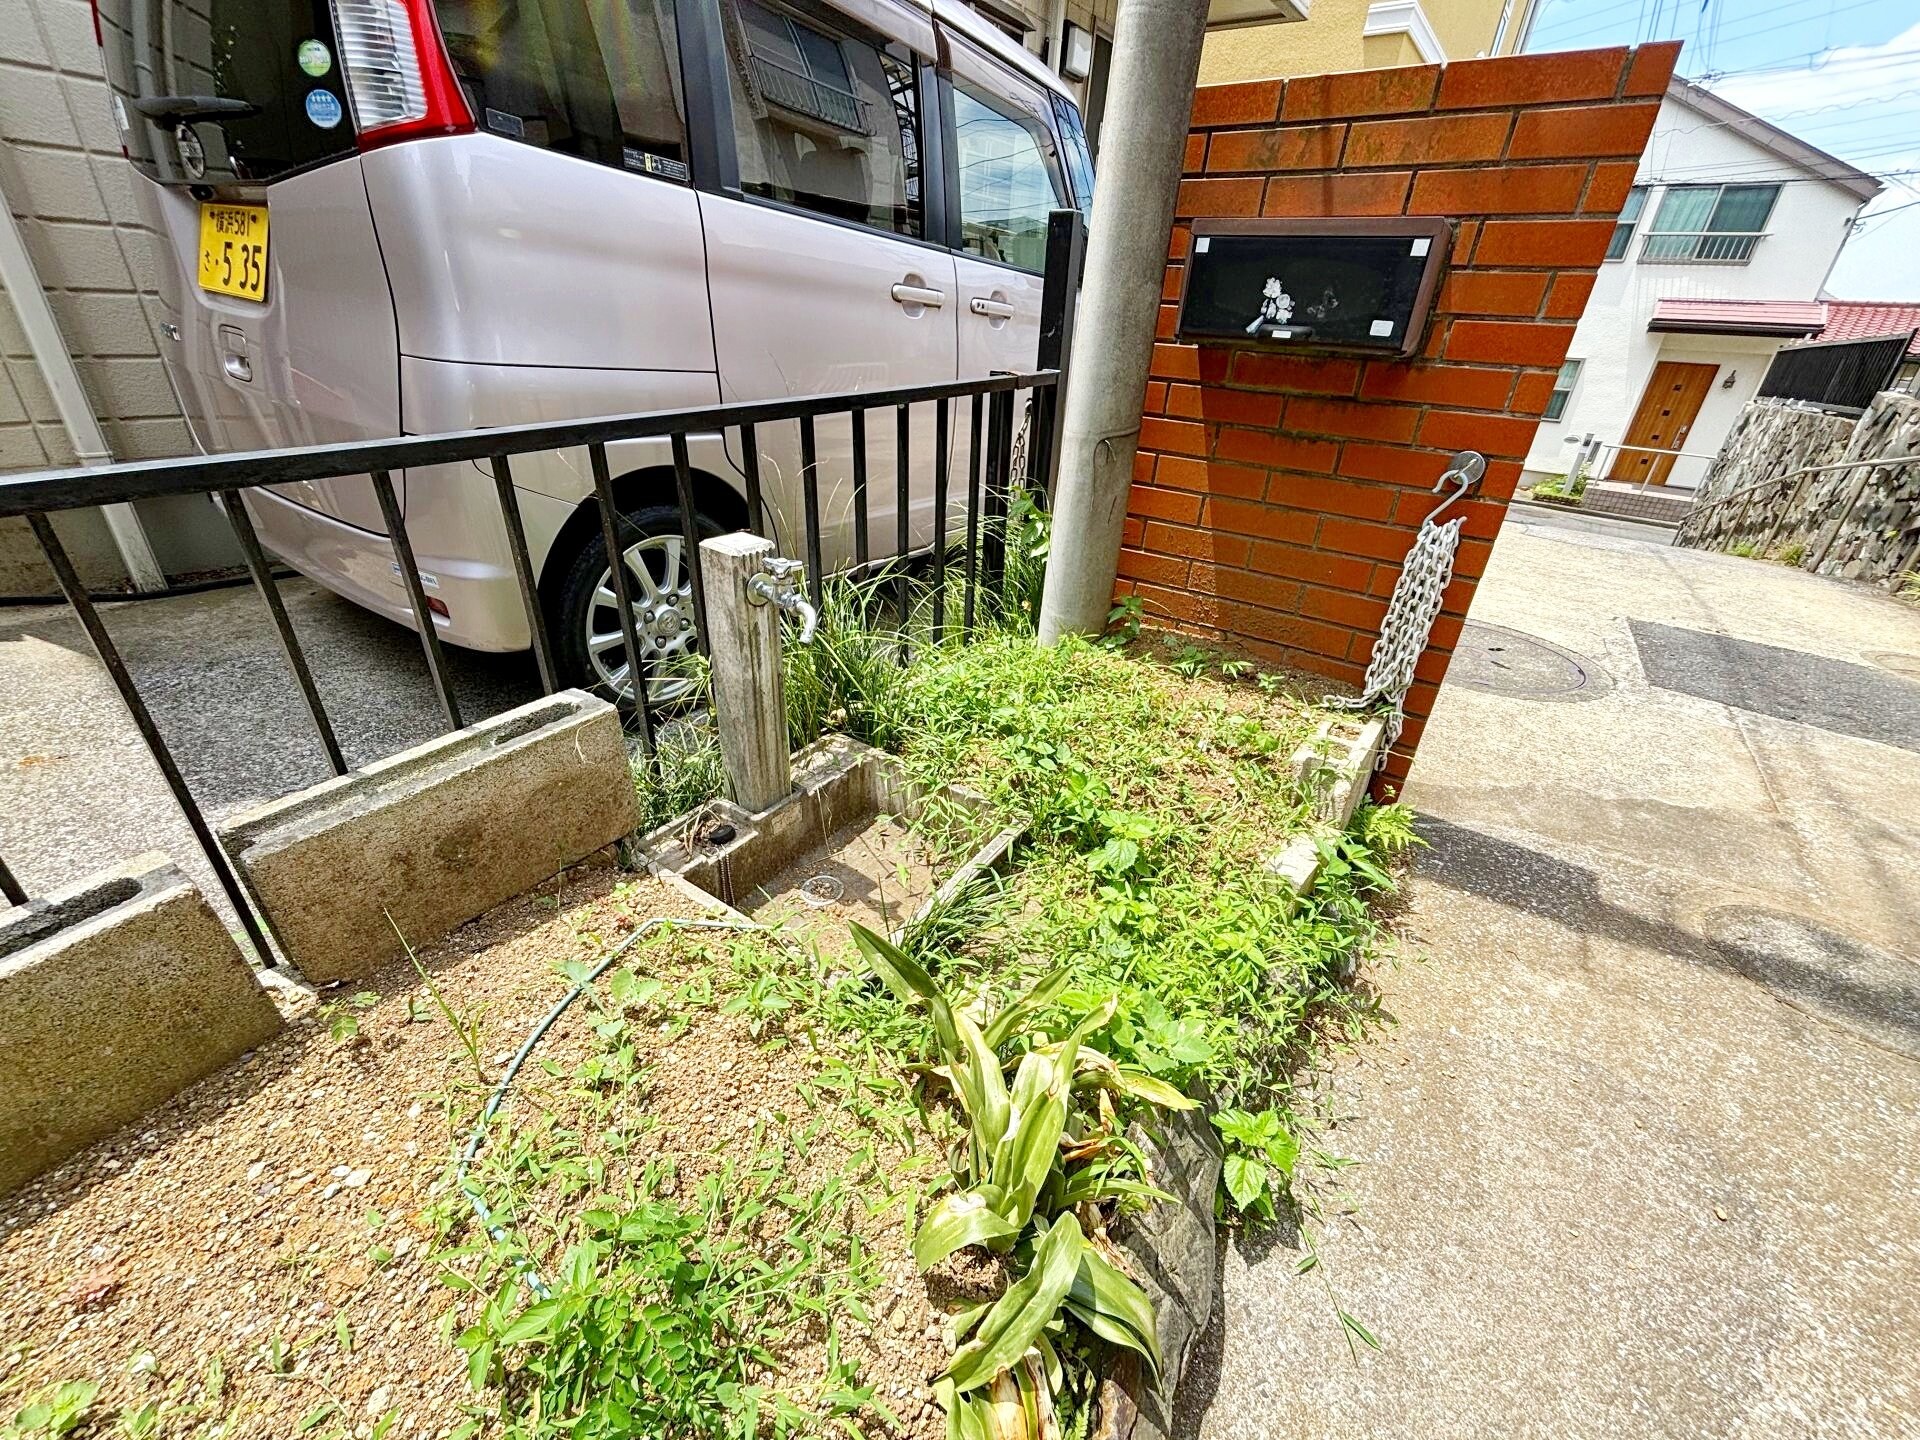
(1143, 141)
(743, 645)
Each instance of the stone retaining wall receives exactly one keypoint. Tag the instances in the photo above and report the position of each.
(1860, 524)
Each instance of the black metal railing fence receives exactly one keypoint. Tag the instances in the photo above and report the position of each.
(994, 471)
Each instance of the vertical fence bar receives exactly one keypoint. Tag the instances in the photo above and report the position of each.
(999, 479)
(122, 678)
(750, 462)
(9, 887)
(690, 536)
(1066, 256)
(972, 558)
(810, 499)
(622, 595)
(416, 596)
(941, 423)
(902, 518)
(257, 566)
(860, 542)
(523, 572)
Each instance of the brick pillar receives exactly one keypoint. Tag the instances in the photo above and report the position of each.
(1275, 495)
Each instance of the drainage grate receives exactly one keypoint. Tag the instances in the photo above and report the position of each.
(1512, 662)
(1857, 986)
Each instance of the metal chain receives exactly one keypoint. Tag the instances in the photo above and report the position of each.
(1410, 616)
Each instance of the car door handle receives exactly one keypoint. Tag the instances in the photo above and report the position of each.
(919, 295)
(996, 309)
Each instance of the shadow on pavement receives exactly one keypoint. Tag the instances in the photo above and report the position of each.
(1798, 959)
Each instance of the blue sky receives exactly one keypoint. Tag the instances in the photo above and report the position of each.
(1841, 74)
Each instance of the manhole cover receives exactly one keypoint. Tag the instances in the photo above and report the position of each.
(1894, 660)
(1860, 987)
(1511, 662)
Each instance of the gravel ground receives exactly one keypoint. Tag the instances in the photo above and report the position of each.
(284, 1205)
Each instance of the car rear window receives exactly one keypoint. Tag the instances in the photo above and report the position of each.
(593, 78)
(225, 90)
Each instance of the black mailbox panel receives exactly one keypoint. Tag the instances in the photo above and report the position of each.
(1363, 285)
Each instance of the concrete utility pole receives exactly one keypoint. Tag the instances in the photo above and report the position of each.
(1143, 142)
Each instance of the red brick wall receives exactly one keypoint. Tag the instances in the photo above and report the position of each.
(1275, 494)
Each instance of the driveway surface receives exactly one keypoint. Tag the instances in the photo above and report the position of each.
(77, 789)
(1638, 1155)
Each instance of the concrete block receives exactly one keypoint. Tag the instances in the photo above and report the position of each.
(437, 834)
(1336, 765)
(115, 993)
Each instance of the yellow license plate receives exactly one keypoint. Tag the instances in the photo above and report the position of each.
(233, 250)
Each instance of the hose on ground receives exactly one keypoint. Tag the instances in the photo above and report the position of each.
(530, 1275)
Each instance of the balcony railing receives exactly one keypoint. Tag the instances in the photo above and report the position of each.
(791, 90)
(1700, 247)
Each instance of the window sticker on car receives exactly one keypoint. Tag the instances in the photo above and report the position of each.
(313, 57)
(503, 123)
(649, 163)
(323, 108)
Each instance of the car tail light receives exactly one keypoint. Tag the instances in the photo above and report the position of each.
(399, 79)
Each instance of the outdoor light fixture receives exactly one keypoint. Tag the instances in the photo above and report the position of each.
(1732, 375)
(1076, 53)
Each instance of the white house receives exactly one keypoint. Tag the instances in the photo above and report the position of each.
(1718, 260)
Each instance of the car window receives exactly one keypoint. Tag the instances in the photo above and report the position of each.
(1073, 138)
(824, 119)
(1009, 181)
(593, 78)
(276, 56)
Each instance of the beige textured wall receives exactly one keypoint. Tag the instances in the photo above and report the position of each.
(63, 174)
(1330, 40)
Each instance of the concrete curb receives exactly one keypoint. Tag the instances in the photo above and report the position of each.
(435, 835)
(116, 993)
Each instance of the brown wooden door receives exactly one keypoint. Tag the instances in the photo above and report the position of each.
(1668, 407)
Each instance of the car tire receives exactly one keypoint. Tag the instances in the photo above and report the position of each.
(588, 645)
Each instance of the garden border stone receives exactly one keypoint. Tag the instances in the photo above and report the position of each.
(1334, 766)
(437, 834)
(116, 993)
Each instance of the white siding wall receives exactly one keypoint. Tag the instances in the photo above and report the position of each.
(1808, 226)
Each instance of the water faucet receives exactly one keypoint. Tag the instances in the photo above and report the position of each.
(778, 585)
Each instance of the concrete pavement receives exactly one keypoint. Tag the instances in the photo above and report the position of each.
(77, 789)
(1638, 1155)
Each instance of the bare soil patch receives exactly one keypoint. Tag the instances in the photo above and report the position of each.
(258, 1251)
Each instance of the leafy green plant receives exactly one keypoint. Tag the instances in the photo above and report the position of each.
(1123, 621)
(57, 1411)
(343, 1024)
(1034, 1153)
(1792, 554)
(1260, 1155)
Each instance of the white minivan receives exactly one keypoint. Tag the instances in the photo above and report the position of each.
(385, 217)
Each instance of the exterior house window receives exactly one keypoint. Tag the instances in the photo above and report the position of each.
(1629, 221)
(1709, 224)
(1562, 390)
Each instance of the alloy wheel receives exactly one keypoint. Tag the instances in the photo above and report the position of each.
(661, 586)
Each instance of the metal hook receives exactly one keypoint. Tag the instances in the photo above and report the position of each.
(1464, 470)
